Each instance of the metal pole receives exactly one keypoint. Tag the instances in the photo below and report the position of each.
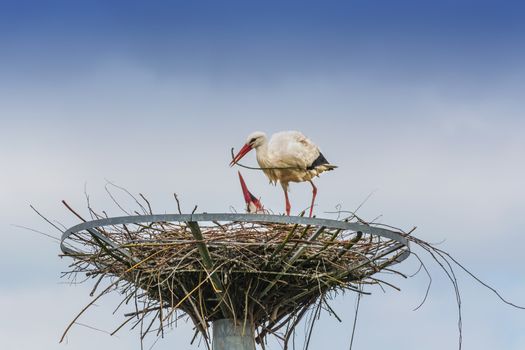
(230, 336)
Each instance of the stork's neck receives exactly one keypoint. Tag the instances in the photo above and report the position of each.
(262, 155)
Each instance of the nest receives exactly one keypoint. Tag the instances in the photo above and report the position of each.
(263, 275)
(265, 272)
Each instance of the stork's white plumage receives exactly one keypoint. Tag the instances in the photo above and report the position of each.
(289, 156)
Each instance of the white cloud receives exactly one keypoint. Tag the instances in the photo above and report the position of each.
(38, 316)
(454, 169)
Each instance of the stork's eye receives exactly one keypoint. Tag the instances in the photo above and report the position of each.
(252, 140)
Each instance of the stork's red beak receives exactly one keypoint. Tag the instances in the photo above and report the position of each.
(252, 203)
(245, 149)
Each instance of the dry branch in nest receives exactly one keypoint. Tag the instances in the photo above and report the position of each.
(264, 275)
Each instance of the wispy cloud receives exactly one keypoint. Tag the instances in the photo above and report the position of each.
(422, 105)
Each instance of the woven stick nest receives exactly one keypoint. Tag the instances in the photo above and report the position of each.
(264, 273)
(261, 274)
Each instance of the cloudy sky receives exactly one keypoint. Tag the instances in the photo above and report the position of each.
(419, 102)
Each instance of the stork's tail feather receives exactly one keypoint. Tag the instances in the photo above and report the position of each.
(321, 163)
(323, 167)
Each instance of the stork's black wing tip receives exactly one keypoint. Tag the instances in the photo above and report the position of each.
(320, 160)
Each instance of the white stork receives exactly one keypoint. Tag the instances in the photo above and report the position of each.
(253, 205)
(288, 157)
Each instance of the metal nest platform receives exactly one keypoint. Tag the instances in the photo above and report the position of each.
(264, 272)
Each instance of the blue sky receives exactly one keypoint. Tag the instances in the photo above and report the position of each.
(420, 102)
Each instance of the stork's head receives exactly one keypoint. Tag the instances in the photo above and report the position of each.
(254, 140)
(253, 205)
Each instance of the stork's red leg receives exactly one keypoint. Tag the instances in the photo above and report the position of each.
(288, 206)
(314, 194)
